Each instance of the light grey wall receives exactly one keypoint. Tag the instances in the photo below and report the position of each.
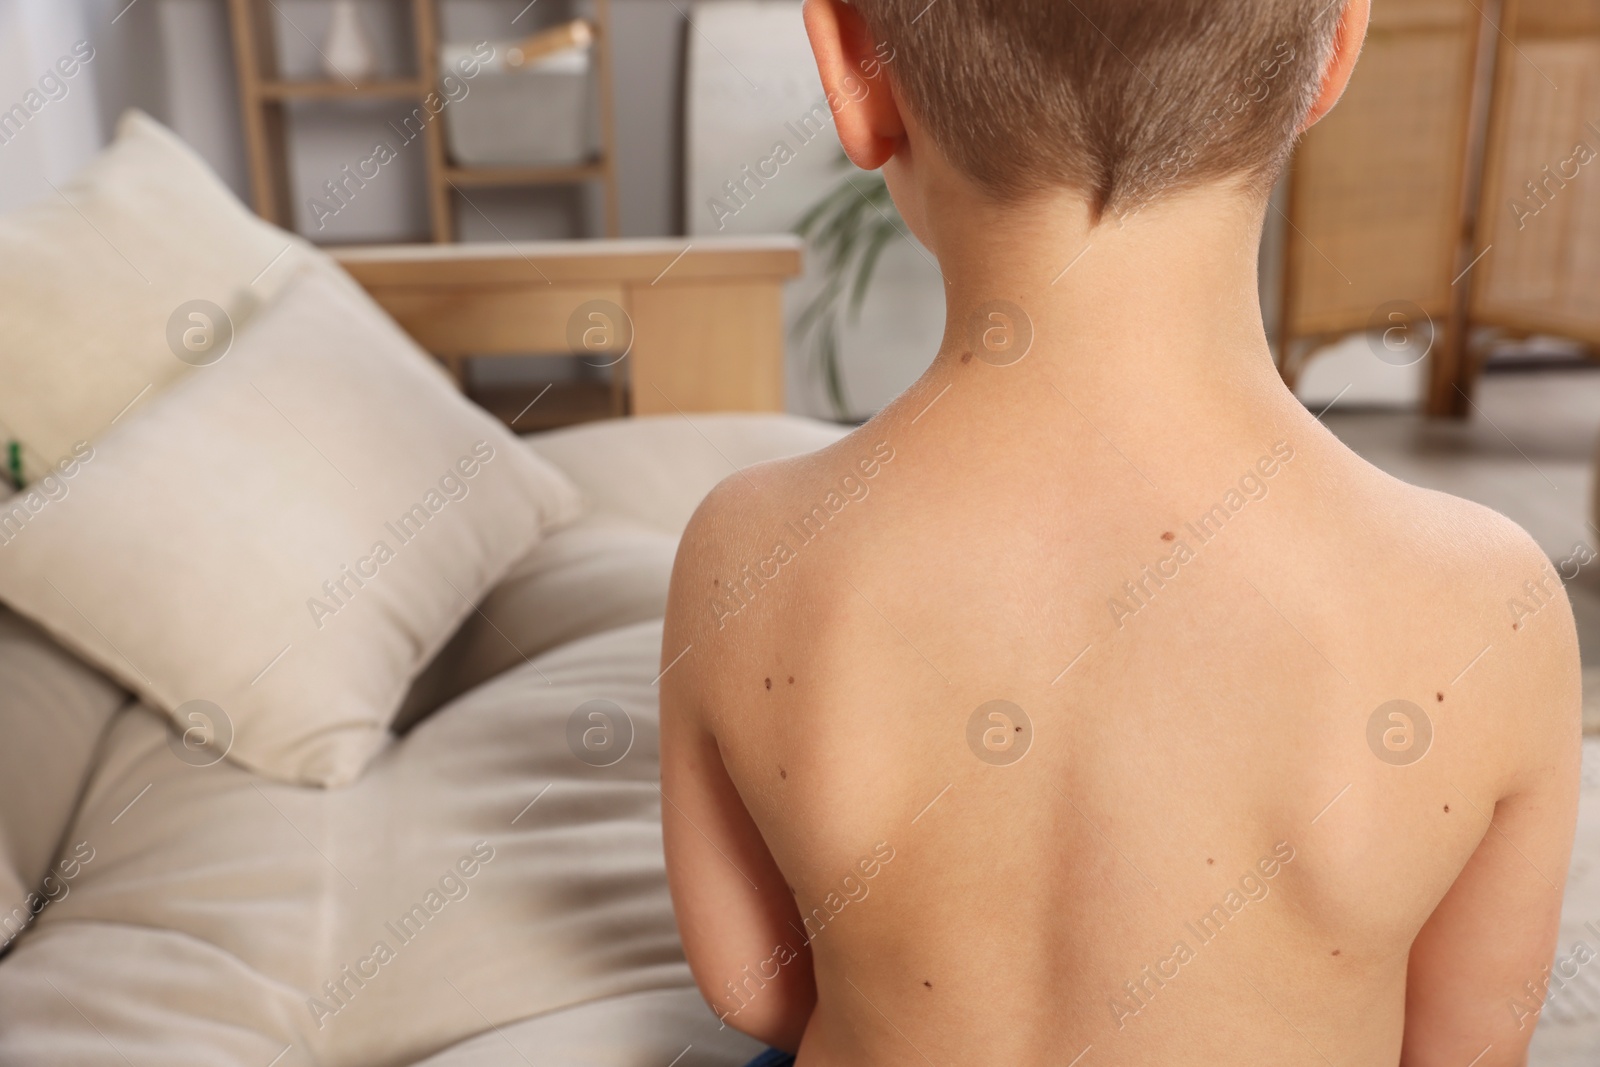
(130, 59)
(51, 118)
(200, 97)
(650, 40)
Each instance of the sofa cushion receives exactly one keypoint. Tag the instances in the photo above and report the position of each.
(565, 903)
(656, 469)
(53, 710)
(162, 997)
(597, 574)
(274, 547)
(96, 275)
(155, 996)
(654, 1029)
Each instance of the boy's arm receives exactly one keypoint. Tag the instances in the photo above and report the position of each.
(738, 921)
(1480, 966)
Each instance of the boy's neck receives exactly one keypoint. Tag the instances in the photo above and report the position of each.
(1159, 308)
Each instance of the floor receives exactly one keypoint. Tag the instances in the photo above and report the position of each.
(1527, 451)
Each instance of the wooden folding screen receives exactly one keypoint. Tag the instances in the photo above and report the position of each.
(1460, 175)
(1378, 190)
(1539, 224)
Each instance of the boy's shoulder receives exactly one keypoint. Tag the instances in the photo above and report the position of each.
(1445, 558)
(1479, 551)
(792, 501)
(745, 542)
(1474, 588)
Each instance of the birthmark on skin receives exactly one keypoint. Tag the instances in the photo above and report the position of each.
(926, 983)
(1209, 860)
(1516, 626)
(769, 683)
(1439, 697)
(1447, 809)
(966, 357)
(1169, 536)
(791, 679)
(783, 774)
(1335, 952)
(986, 733)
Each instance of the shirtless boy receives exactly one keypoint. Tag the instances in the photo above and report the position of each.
(1093, 704)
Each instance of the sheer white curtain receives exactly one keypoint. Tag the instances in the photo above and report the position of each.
(50, 121)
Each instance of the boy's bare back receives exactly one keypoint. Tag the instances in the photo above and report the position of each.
(1047, 755)
(1092, 704)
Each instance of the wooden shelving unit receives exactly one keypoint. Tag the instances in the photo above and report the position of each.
(265, 97)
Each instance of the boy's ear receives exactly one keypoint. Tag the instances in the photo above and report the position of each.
(856, 82)
(1346, 50)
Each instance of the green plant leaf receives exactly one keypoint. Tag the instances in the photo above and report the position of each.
(848, 228)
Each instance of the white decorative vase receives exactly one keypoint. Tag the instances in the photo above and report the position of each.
(346, 53)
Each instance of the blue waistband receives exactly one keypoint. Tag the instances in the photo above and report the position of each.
(773, 1058)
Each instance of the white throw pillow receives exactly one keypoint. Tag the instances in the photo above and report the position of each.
(287, 535)
(95, 276)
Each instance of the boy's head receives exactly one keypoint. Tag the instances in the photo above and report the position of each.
(1122, 101)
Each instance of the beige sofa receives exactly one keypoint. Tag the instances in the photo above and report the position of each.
(205, 915)
(385, 847)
